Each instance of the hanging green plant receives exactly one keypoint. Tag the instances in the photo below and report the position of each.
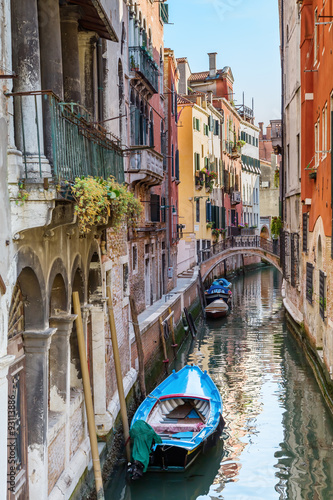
(277, 178)
(276, 226)
(97, 199)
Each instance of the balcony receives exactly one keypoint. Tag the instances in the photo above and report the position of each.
(144, 68)
(146, 167)
(74, 145)
(236, 197)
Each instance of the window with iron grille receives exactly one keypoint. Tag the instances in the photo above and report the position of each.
(286, 254)
(305, 233)
(309, 282)
(163, 217)
(322, 294)
(294, 277)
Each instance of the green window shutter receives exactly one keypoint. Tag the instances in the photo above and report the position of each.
(223, 217)
(198, 124)
(194, 122)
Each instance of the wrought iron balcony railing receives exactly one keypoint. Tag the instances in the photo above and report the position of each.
(74, 145)
(142, 63)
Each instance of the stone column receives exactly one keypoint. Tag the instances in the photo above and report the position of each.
(37, 346)
(70, 52)
(51, 61)
(87, 46)
(26, 64)
(102, 417)
(60, 370)
(5, 361)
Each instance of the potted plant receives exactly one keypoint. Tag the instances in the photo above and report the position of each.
(216, 233)
(210, 225)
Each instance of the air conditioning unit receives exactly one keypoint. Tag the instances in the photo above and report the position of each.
(236, 197)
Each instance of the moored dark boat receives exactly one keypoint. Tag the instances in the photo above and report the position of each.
(216, 291)
(185, 410)
(217, 309)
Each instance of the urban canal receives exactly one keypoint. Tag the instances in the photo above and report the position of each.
(277, 443)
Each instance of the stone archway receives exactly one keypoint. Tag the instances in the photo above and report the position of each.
(264, 233)
(17, 405)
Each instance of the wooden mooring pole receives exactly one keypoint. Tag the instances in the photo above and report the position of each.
(139, 347)
(119, 376)
(88, 398)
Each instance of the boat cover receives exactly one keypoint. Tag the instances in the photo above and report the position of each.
(143, 436)
(218, 289)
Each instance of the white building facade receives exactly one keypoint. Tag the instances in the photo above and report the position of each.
(249, 134)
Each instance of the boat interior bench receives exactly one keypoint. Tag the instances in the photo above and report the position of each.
(179, 415)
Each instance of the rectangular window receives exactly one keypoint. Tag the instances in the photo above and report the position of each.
(125, 279)
(309, 282)
(317, 143)
(134, 258)
(322, 294)
(197, 124)
(208, 211)
(155, 208)
(294, 275)
(163, 210)
(197, 210)
(298, 152)
(177, 165)
(305, 233)
(315, 37)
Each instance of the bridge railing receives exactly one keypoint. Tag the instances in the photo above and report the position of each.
(272, 247)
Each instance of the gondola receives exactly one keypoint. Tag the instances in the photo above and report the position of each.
(185, 411)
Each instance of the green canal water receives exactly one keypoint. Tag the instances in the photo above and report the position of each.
(278, 439)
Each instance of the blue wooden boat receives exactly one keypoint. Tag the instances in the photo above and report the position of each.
(185, 410)
(217, 291)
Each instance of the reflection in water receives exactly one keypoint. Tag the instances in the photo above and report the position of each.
(278, 436)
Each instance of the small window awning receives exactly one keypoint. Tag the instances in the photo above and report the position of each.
(94, 18)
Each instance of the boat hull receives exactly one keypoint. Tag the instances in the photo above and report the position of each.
(176, 458)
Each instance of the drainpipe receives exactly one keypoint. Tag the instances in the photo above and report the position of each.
(282, 115)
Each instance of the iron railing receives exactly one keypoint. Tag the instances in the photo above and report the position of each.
(269, 246)
(74, 145)
(142, 62)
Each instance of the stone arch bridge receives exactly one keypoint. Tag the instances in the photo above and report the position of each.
(237, 245)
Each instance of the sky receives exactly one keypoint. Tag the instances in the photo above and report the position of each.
(245, 35)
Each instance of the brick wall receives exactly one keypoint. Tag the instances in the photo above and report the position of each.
(76, 430)
(56, 458)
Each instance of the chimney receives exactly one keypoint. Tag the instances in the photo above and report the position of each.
(210, 96)
(212, 64)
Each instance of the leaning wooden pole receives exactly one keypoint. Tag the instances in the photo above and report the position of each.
(116, 357)
(88, 398)
(165, 352)
(139, 347)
